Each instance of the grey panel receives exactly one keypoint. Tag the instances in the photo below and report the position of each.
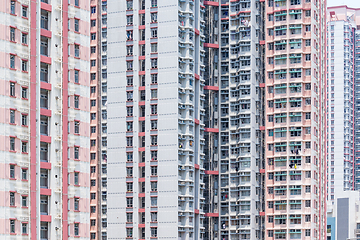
(342, 224)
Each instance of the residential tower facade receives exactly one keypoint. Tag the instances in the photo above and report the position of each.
(45, 119)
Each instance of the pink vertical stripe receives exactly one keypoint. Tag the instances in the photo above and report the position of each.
(65, 120)
(33, 26)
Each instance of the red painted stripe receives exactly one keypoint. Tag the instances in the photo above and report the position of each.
(211, 3)
(211, 45)
(211, 214)
(46, 6)
(46, 59)
(215, 88)
(45, 165)
(45, 112)
(45, 218)
(44, 138)
(45, 85)
(215, 130)
(33, 165)
(65, 124)
(45, 191)
(211, 172)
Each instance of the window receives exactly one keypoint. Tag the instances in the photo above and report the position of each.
(24, 174)
(129, 217)
(12, 171)
(76, 127)
(129, 141)
(93, 10)
(77, 50)
(24, 147)
(12, 199)
(44, 120)
(153, 3)
(153, 17)
(307, 57)
(153, 186)
(153, 109)
(93, 89)
(44, 206)
(307, 232)
(24, 228)
(76, 101)
(154, 94)
(93, 36)
(24, 201)
(76, 178)
(44, 42)
(24, 37)
(12, 144)
(24, 92)
(153, 170)
(93, 23)
(153, 124)
(129, 187)
(44, 152)
(154, 48)
(44, 230)
(12, 89)
(129, 172)
(129, 50)
(93, 196)
(76, 229)
(76, 153)
(24, 64)
(76, 204)
(12, 61)
(129, 231)
(24, 120)
(44, 19)
(12, 34)
(153, 78)
(129, 20)
(154, 33)
(76, 76)
(153, 232)
(12, 7)
(76, 25)
(12, 226)
(154, 140)
(154, 63)
(44, 72)
(307, 204)
(129, 202)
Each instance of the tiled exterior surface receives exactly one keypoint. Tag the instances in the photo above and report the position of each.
(45, 124)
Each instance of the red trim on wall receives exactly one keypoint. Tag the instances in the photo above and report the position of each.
(214, 88)
(65, 122)
(33, 139)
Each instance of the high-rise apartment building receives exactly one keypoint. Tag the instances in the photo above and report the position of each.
(295, 119)
(155, 126)
(343, 79)
(189, 86)
(343, 148)
(98, 115)
(45, 124)
(234, 120)
(185, 119)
